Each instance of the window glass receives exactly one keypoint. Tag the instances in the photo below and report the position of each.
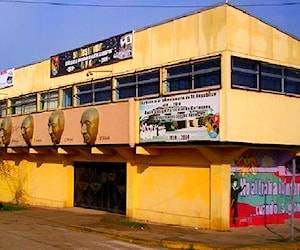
(67, 97)
(194, 75)
(102, 91)
(3, 108)
(49, 100)
(148, 83)
(138, 85)
(84, 94)
(244, 73)
(23, 105)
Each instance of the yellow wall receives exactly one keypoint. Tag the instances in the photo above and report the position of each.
(179, 186)
(252, 38)
(250, 116)
(173, 194)
(51, 184)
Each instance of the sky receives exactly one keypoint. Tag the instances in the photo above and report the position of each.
(37, 29)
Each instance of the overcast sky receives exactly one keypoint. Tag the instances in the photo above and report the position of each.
(33, 32)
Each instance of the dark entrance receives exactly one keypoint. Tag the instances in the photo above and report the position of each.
(100, 185)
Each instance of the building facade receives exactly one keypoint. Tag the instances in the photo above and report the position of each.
(192, 121)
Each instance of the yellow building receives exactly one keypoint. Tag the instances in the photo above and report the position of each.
(157, 123)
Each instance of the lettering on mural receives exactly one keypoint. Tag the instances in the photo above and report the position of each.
(269, 188)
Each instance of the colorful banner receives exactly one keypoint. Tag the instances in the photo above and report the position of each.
(261, 189)
(6, 78)
(187, 117)
(103, 52)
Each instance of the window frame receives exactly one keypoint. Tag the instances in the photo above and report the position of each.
(45, 103)
(137, 84)
(192, 75)
(93, 90)
(24, 102)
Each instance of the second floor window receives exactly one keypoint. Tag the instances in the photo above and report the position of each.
(23, 105)
(138, 85)
(67, 100)
(94, 93)
(49, 100)
(194, 75)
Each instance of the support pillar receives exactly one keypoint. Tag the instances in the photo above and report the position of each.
(220, 197)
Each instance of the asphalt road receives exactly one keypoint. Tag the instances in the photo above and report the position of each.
(23, 232)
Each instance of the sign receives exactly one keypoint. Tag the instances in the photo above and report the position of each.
(107, 51)
(187, 117)
(6, 78)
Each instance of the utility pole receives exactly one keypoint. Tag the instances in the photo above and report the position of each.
(292, 221)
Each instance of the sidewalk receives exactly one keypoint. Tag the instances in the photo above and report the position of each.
(169, 236)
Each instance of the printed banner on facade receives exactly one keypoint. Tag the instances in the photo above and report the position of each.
(261, 188)
(6, 78)
(103, 52)
(186, 117)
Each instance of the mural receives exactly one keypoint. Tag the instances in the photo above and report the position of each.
(261, 188)
(80, 126)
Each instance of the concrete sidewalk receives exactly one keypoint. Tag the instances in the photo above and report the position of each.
(161, 235)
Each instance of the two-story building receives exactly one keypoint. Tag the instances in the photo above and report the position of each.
(192, 121)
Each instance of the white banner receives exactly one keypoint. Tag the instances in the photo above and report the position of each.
(6, 78)
(187, 117)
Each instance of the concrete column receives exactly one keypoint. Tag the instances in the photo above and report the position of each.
(220, 196)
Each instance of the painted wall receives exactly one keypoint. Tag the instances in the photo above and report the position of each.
(47, 128)
(264, 191)
(179, 186)
(250, 37)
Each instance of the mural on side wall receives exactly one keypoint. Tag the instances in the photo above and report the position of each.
(187, 117)
(80, 126)
(261, 188)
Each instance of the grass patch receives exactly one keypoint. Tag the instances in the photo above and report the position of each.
(10, 207)
(123, 222)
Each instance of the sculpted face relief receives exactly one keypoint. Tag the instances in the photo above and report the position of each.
(89, 125)
(5, 130)
(56, 125)
(27, 129)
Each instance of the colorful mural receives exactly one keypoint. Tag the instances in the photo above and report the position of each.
(261, 189)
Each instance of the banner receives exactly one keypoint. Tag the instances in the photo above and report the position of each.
(187, 117)
(6, 78)
(103, 52)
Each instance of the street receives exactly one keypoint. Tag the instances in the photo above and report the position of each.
(19, 231)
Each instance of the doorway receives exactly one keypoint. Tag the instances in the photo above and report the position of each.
(101, 186)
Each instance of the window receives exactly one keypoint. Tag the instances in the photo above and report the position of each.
(195, 75)
(67, 97)
(49, 100)
(271, 78)
(245, 73)
(138, 85)
(292, 81)
(3, 107)
(250, 74)
(94, 92)
(23, 105)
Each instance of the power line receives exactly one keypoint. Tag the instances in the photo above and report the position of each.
(140, 6)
